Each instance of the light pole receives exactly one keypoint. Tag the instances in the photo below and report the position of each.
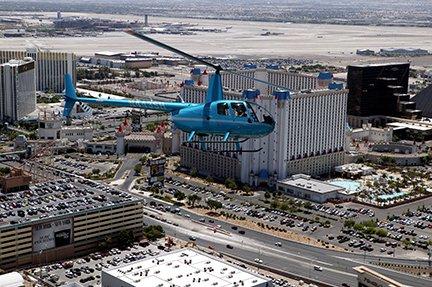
(429, 260)
(429, 255)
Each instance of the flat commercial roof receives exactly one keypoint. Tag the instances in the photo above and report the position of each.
(419, 127)
(13, 279)
(306, 182)
(378, 64)
(365, 270)
(108, 53)
(52, 199)
(184, 267)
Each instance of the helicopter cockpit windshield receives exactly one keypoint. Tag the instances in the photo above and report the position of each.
(239, 109)
(257, 112)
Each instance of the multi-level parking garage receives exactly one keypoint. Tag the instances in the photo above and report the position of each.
(61, 219)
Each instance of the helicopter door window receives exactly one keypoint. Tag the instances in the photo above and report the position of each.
(252, 113)
(222, 109)
(239, 109)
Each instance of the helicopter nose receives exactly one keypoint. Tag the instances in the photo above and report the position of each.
(269, 120)
(269, 123)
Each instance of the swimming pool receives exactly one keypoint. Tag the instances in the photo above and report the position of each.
(350, 185)
(391, 196)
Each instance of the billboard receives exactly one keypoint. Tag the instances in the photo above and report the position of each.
(52, 234)
(157, 170)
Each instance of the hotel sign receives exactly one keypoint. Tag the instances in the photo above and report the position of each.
(53, 234)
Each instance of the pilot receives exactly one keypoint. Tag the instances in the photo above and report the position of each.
(240, 110)
(223, 109)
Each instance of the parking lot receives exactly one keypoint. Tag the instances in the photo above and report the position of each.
(86, 166)
(325, 222)
(87, 270)
(54, 198)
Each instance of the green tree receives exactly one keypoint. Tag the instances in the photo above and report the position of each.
(137, 168)
(105, 243)
(144, 159)
(4, 170)
(214, 204)
(154, 190)
(307, 205)
(179, 195)
(267, 195)
(230, 183)
(151, 127)
(349, 223)
(126, 238)
(246, 189)
(153, 232)
(381, 232)
(192, 199)
(406, 242)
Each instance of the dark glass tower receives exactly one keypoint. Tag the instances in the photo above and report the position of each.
(379, 89)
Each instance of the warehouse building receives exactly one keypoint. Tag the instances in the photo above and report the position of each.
(183, 267)
(305, 187)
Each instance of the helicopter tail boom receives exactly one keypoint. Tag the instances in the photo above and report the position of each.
(71, 98)
(147, 105)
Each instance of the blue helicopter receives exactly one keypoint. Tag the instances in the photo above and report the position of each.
(234, 120)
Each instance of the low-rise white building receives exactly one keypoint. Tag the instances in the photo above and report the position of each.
(183, 267)
(354, 169)
(408, 52)
(305, 187)
(51, 128)
(12, 279)
(372, 134)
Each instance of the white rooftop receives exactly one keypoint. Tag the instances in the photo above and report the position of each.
(413, 126)
(13, 279)
(108, 53)
(183, 267)
(306, 182)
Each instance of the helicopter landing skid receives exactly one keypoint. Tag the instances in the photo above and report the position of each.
(240, 151)
(219, 142)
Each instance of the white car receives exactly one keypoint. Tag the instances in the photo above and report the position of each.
(318, 268)
(257, 260)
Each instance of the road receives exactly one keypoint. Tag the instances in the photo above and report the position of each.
(125, 174)
(291, 257)
(337, 222)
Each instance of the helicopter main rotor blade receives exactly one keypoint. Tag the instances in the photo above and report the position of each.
(172, 49)
(256, 80)
(217, 67)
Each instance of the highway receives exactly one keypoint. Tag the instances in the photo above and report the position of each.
(292, 257)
